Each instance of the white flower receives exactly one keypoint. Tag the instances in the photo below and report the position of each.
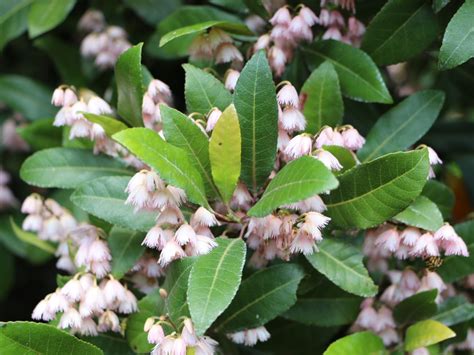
(155, 238)
(170, 215)
(109, 321)
(212, 118)
(171, 251)
(410, 235)
(42, 311)
(57, 302)
(129, 303)
(70, 319)
(99, 251)
(58, 97)
(203, 217)
(92, 302)
(33, 204)
(98, 106)
(113, 292)
(155, 334)
(300, 29)
(352, 139)
(329, 160)
(250, 337)
(292, 119)
(80, 128)
(188, 334)
(184, 234)
(288, 95)
(308, 16)
(33, 223)
(433, 157)
(230, 80)
(205, 346)
(88, 327)
(298, 146)
(425, 246)
(328, 136)
(200, 245)
(73, 290)
(227, 52)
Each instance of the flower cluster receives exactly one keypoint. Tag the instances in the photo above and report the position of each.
(157, 93)
(87, 307)
(217, 45)
(7, 199)
(250, 337)
(350, 32)
(103, 43)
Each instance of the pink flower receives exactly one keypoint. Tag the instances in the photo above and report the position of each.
(156, 334)
(300, 29)
(410, 235)
(308, 16)
(288, 95)
(227, 52)
(329, 160)
(432, 281)
(281, 17)
(445, 233)
(277, 59)
(298, 146)
(389, 240)
(203, 217)
(292, 120)
(212, 118)
(328, 136)
(262, 42)
(352, 139)
(433, 157)
(455, 246)
(303, 243)
(425, 246)
(230, 80)
(171, 251)
(355, 27)
(332, 33)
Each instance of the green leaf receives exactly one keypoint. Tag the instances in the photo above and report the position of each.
(403, 125)
(322, 101)
(401, 30)
(110, 344)
(438, 5)
(125, 248)
(342, 263)
(182, 132)
(263, 296)
(373, 192)
(153, 11)
(229, 27)
(7, 265)
(256, 105)
(324, 312)
(105, 198)
(152, 305)
(110, 125)
(454, 310)
(457, 267)
(440, 194)
(415, 308)
(26, 96)
(214, 280)
(68, 168)
(203, 91)
(45, 15)
(425, 333)
(359, 77)
(458, 39)
(345, 157)
(361, 343)
(37, 338)
(422, 213)
(176, 285)
(172, 163)
(300, 179)
(225, 153)
(130, 91)
(13, 19)
(41, 134)
(31, 238)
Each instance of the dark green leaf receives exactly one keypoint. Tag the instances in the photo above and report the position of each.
(422, 213)
(362, 343)
(7, 265)
(425, 333)
(13, 19)
(110, 344)
(153, 11)
(125, 248)
(45, 15)
(454, 310)
(440, 194)
(415, 308)
(41, 134)
(438, 5)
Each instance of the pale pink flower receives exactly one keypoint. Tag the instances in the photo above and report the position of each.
(159, 90)
(336, 19)
(420, 351)
(42, 311)
(281, 17)
(170, 215)
(184, 234)
(33, 223)
(328, 136)
(367, 318)
(425, 246)
(352, 139)
(200, 245)
(283, 139)
(70, 319)
(455, 246)
(432, 281)
(33, 204)
(70, 97)
(300, 30)
(446, 232)
(410, 235)
(333, 33)
(288, 95)
(171, 251)
(93, 301)
(230, 79)
(88, 327)
(328, 159)
(129, 303)
(250, 337)
(227, 52)
(384, 319)
(277, 59)
(114, 292)
(433, 157)
(205, 346)
(155, 334)
(242, 197)
(58, 97)
(155, 238)
(303, 243)
(109, 321)
(298, 146)
(212, 118)
(389, 240)
(262, 42)
(324, 17)
(98, 106)
(355, 27)
(308, 16)
(203, 217)
(292, 119)
(73, 290)
(80, 128)
(216, 36)
(201, 48)
(188, 334)
(389, 336)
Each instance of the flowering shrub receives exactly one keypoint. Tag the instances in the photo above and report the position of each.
(266, 209)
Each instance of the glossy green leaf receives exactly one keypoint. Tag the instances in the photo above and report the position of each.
(13, 19)
(37, 338)
(229, 27)
(125, 248)
(373, 192)
(359, 77)
(256, 105)
(153, 11)
(130, 90)
(68, 168)
(457, 267)
(41, 134)
(263, 296)
(440, 194)
(415, 308)
(105, 198)
(182, 132)
(425, 333)
(458, 38)
(214, 280)
(342, 263)
(26, 96)
(203, 91)
(225, 153)
(33, 239)
(322, 101)
(401, 30)
(345, 157)
(324, 312)
(110, 125)
(403, 125)
(172, 163)
(455, 310)
(45, 15)
(361, 343)
(422, 213)
(110, 344)
(300, 179)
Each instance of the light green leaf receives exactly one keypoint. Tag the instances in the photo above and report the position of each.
(37, 338)
(182, 132)
(203, 91)
(403, 125)
(362, 343)
(68, 168)
(214, 280)
(454, 310)
(45, 15)
(256, 105)
(324, 312)
(401, 30)
(110, 125)
(130, 91)
(172, 163)
(426, 333)
(458, 39)
(342, 263)
(322, 101)
(374, 192)
(229, 27)
(125, 248)
(41, 134)
(105, 198)
(359, 77)
(300, 179)
(262, 296)
(31, 238)
(415, 308)
(13, 19)
(440, 194)
(422, 213)
(225, 152)
(26, 96)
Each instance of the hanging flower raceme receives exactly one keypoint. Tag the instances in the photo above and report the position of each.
(157, 93)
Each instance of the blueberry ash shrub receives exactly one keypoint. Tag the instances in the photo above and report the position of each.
(290, 201)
